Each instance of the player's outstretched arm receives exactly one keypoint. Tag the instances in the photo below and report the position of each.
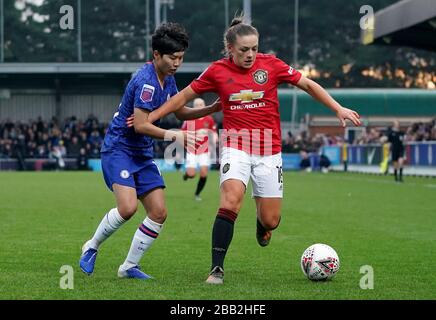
(321, 95)
(142, 125)
(174, 104)
(186, 113)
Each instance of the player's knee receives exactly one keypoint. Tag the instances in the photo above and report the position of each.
(203, 173)
(232, 202)
(190, 172)
(158, 215)
(127, 210)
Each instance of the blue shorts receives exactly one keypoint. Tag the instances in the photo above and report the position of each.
(132, 171)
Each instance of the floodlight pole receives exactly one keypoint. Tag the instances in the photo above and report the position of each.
(247, 11)
(294, 97)
(166, 4)
(164, 15)
(157, 12)
(79, 30)
(2, 38)
(147, 29)
(226, 14)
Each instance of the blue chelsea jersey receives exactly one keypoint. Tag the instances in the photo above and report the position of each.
(143, 91)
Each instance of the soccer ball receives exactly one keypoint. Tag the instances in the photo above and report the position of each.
(319, 262)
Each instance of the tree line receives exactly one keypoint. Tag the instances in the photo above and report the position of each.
(115, 31)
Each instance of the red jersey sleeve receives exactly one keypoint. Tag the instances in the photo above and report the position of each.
(286, 73)
(205, 82)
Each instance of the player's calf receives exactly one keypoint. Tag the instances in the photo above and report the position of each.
(264, 233)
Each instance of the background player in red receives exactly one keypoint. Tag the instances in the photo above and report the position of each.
(204, 128)
(246, 82)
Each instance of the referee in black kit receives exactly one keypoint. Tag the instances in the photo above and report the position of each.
(396, 137)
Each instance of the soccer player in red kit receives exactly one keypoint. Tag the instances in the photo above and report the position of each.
(203, 128)
(246, 82)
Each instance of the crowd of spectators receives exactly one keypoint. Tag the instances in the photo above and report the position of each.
(416, 132)
(304, 142)
(74, 138)
(42, 139)
(71, 138)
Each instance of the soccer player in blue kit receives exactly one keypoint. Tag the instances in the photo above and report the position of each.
(127, 152)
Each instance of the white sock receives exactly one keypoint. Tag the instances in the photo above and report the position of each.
(144, 237)
(110, 223)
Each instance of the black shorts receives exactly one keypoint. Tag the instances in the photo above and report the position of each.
(397, 153)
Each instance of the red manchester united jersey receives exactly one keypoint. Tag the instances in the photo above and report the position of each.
(202, 127)
(250, 103)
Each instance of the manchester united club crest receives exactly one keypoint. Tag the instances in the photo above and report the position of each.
(260, 76)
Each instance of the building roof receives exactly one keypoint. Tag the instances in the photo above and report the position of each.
(405, 23)
(88, 67)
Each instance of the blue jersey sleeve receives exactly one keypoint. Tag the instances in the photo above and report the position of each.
(144, 94)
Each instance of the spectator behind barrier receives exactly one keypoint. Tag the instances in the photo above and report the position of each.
(36, 139)
(324, 163)
(82, 160)
(305, 161)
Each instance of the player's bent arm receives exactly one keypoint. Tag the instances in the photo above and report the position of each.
(318, 93)
(142, 125)
(321, 95)
(174, 104)
(186, 113)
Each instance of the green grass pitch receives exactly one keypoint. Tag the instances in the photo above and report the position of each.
(369, 220)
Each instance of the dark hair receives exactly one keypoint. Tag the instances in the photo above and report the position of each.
(238, 28)
(169, 37)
